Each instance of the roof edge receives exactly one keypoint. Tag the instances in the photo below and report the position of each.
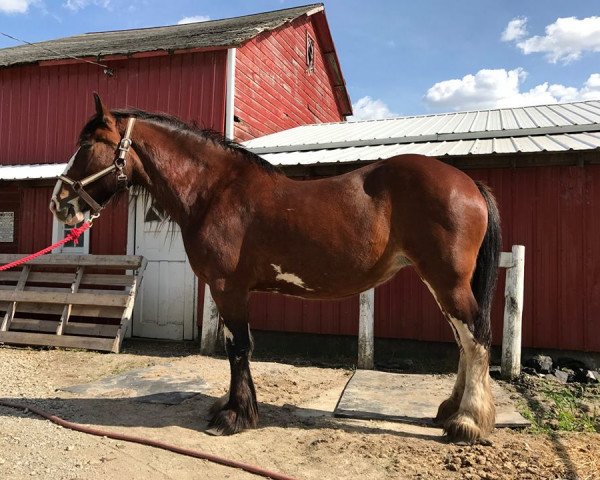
(438, 137)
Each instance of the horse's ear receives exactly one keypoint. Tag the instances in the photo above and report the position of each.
(101, 110)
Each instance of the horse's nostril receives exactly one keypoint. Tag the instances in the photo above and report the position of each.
(70, 210)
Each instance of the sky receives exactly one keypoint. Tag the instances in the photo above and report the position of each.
(398, 57)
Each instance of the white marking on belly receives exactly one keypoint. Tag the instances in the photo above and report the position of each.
(290, 278)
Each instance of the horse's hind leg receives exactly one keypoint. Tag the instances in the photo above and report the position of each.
(471, 416)
(450, 406)
(238, 410)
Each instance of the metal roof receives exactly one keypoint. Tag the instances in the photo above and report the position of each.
(229, 32)
(551, 128)
(31, 172)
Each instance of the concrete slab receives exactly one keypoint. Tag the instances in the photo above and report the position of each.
(165, 384)
(411, 398)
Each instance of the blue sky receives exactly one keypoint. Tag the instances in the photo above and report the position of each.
(398, 57)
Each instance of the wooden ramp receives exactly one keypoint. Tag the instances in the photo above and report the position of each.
(74, 301)
(411, 398)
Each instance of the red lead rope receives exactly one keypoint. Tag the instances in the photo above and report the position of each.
(73, 235)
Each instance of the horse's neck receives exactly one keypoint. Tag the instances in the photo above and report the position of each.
(179, 170)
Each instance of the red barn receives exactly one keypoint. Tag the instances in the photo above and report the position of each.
(245, 77)
(543, 165)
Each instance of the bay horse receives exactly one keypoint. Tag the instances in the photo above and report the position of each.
(248, 227)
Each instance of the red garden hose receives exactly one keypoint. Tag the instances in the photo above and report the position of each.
(151, 443)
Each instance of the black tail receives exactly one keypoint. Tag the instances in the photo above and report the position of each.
(484, 279)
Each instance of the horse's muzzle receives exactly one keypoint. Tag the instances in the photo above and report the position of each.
(65, 212)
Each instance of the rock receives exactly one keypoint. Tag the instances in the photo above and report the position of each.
(559, 376)
(540, 363)
(592, 376)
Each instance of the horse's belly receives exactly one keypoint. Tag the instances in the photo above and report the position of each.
(325, 282)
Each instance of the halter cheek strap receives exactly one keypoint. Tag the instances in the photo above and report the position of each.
(118, 167)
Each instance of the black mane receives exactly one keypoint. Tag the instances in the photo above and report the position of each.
(180, 126)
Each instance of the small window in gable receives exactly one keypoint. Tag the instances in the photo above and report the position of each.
(310, 53)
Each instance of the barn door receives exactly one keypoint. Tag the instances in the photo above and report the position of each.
(165, 307)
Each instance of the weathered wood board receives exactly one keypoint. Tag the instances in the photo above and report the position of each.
(59, 298)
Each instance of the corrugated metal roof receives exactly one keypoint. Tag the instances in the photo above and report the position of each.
(552, 128)
(229, 32)
(31, 172)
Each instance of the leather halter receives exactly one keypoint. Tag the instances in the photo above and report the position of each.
(118, 167)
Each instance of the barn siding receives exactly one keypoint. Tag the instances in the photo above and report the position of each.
(553, 211)
(274, 91)
(42, 108)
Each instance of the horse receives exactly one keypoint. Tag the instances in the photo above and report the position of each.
(248, 227)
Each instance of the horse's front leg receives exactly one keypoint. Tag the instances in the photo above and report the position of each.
(237, 410)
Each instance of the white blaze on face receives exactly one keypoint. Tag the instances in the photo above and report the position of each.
(58, 186)
(59, 194)
(290, 278)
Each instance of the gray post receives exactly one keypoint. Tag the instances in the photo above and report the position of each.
(513, 314)
(210, 324)
(366, 337)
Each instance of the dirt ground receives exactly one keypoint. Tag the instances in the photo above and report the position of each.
(297, 434)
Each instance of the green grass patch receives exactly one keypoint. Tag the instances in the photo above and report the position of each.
(552, 407)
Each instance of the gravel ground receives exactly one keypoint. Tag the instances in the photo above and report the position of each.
(297, 435)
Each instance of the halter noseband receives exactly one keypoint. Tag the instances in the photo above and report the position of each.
(118, 167)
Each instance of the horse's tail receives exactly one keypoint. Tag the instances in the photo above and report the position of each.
(484, 279)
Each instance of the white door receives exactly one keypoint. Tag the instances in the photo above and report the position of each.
(166, 304)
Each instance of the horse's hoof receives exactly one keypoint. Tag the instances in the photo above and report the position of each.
(229, 422)
(461, 428)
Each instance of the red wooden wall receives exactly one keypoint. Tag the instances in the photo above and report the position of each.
(553, 211)
(274, 90)
(43, 108)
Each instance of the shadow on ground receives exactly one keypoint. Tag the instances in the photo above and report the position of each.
(192, 415)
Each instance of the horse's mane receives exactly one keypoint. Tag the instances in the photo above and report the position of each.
(178, 125)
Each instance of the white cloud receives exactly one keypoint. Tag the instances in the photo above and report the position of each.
(194, 19)
(76, 5)
(501, 88)
(565, 40)
(515, 30)
(367, 108)
(15, 6)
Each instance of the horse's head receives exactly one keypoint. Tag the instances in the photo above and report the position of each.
(97, 170)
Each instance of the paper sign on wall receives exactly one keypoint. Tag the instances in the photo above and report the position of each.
(7, 227)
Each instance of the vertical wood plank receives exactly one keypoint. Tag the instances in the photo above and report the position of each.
(366, 338)
(513, 313)
(210, 324)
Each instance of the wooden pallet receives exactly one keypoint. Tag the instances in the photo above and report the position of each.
(69, 300)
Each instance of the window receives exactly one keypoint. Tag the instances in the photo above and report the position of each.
(310, 53)
(60, 231)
